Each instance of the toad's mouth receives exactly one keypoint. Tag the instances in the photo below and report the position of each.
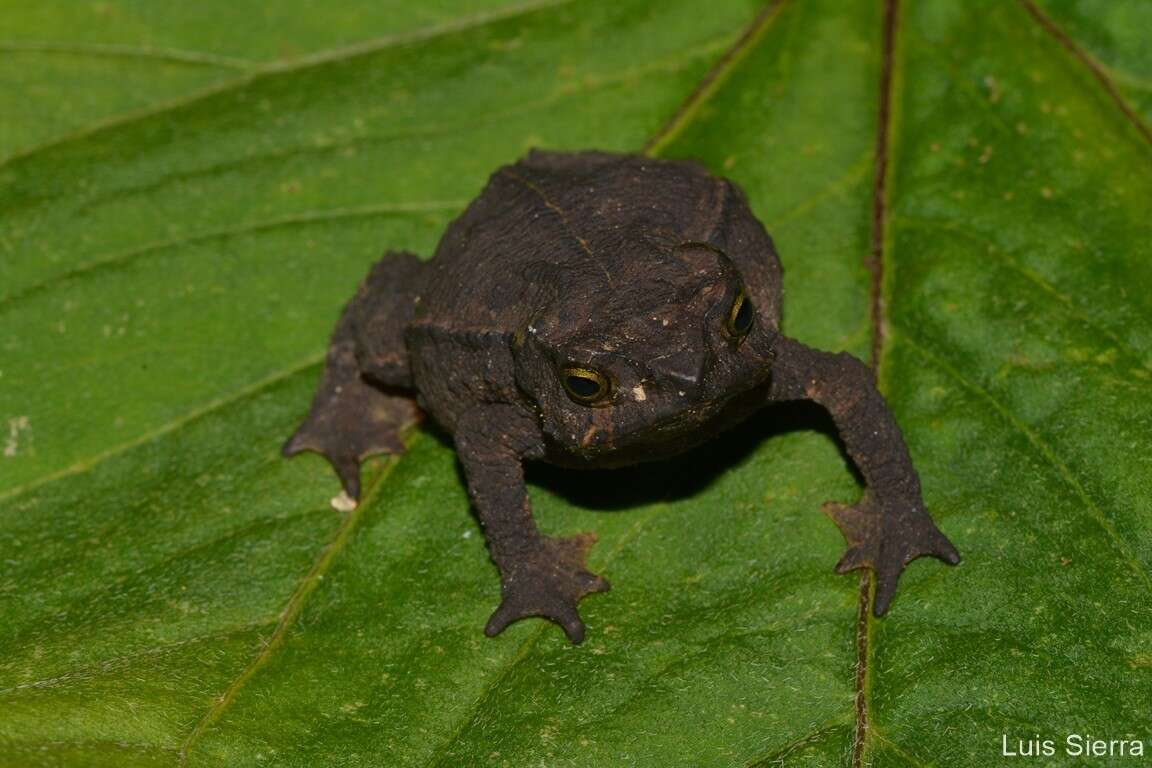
(609, 439)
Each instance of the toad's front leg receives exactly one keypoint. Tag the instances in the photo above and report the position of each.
(889, 527)
(539, 575)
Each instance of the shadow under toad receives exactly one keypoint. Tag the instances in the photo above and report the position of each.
(613, 490)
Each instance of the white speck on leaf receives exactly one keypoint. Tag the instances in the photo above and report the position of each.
(15, 427)
(638, 393)
(343, 502)
(993, 88)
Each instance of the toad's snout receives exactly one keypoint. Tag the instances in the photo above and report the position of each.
(683, 371)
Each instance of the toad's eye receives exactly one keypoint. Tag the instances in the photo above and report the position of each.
(740, 317)
(584, 385)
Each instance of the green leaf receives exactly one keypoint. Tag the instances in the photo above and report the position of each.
(192, 192)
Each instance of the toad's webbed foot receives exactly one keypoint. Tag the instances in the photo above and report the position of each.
(539, 575)
(886, 536)
(350, 418)
(359, 409)
(548, 580)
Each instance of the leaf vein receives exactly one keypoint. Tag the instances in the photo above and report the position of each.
(170, 55)
(1085, 59)
(745, 42)
(776, 757)
(901, 753)
(304, 218)
(116, 663)
(292, 609)
(1045, 451)
(834, 188)
(211, 406)
(334, 55)
(965, 231)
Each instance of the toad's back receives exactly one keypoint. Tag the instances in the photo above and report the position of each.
(562, 222)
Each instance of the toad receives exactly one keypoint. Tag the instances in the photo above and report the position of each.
(596, 310)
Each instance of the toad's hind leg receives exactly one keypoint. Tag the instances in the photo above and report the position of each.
(360, 407)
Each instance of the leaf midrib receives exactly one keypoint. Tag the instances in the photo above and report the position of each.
(874, 261)
(882, 244)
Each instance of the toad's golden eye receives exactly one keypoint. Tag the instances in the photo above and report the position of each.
(740, 316)
(584, 385)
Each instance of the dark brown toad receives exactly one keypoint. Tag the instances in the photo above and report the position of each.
(597, 310)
